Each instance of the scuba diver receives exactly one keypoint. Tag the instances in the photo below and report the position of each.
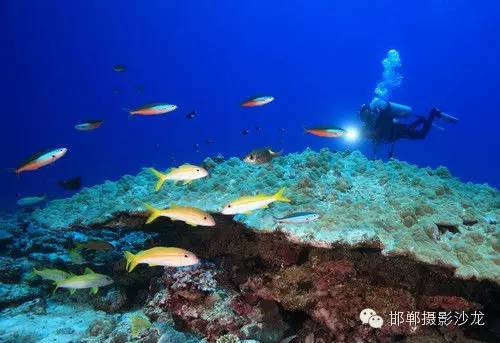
(381, 123)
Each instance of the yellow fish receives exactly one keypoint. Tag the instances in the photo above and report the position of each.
(51, 274)
(247, 204)
(190, 215)
(185, 173)
(161, 256)
(88, 280)
(75, 256)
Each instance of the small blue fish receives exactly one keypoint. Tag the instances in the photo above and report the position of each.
(297, 218)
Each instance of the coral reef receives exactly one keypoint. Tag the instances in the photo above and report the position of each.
(395, 206)
(391, 237)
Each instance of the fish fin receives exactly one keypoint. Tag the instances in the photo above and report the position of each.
(280, 197)
(161, 178)
(89, 271)
(13, 170)
(72, 291)
(173, 205)
(275, 153)
(247, 212)
(192, 224)
(153, 213)
(34, 271)
(78, 246)
(55, 289)
(153, 265)
(128, 110)
(131, 261)
(187, 182)
(94, 290)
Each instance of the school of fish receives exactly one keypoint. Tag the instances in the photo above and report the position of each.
(185, 173)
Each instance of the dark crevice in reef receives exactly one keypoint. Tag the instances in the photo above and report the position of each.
(443, 228)
(321, 291)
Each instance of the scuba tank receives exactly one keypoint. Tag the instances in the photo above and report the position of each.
(398, 110)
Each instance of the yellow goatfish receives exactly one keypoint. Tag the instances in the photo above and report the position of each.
(186, 173)
(51, 274)
(190, 215)
(161, 256)
(247, 204)
(88, 280)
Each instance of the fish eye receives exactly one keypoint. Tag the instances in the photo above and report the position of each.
(186, 256)
(252, 157)
(205, 218)
(197, 170)
(53, 156)
(228, 205)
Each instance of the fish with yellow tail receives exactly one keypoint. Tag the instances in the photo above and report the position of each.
(161, 256)
(185, 173)
(90, 280)
(247, 204)
(190, 215)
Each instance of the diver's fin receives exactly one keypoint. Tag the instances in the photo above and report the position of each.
(447, 117)
(94, 290)
(280, 197)
(438, 127)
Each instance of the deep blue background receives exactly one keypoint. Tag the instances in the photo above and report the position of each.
(320, 60)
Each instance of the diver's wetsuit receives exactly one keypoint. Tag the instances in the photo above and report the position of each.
(385, 129)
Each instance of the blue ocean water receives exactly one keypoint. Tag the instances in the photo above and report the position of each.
(320, 60)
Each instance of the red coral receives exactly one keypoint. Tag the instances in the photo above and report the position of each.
(241, 307)
(337, 269)
(447, 303)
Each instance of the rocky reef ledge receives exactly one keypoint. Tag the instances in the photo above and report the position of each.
(400, 209)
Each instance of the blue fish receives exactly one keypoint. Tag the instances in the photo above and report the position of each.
(297, 218)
